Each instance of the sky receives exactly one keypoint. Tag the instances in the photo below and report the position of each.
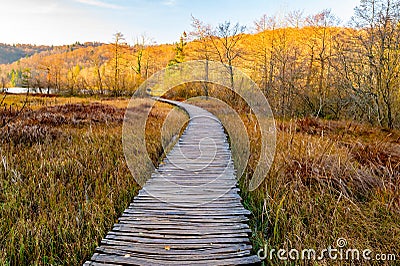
(57, 22)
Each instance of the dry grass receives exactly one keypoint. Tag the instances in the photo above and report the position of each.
(329, 179)
(64, 179)
(36, 101)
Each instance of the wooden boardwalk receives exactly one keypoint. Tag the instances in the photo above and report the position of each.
(189, 212)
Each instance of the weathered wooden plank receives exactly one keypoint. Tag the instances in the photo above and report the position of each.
(128, 260)
(169, 207)
(202, 212)
(181, 231)
(187, 218)
(152, 224)
(189, 202)
(181, 214)
(166, 241)
(161, 250)
(197, 197)
(177, 235)
(171, 255)
(92, 263)
(157, 203)
(183, 246)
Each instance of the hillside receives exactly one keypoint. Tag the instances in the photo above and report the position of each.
(10, 53)
(87, 66)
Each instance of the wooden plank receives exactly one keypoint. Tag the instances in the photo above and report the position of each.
(157, 217)
(166, 241)
(168, 207)
(174, 213)
(189, 202)
(128, 260)
(171, 255)
(161, 250)
(92, 263)
(149, 224)
(183, 246)
(181, 231)
(176, 235)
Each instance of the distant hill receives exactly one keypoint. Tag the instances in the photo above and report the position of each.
(12, 53)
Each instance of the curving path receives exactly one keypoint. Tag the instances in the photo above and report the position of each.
(189, 212)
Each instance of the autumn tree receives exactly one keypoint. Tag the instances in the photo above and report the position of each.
(26, 78)
(263, 50)
(286, 71)
(72, 78)
(3, 79)
(141, 56)
(118, 49)
(45, 68)
(55, 67)
(202, 35)
(225, 43)
(371, 61)
(296, 19)
(179, 50)
(98, 70)
(318, 83)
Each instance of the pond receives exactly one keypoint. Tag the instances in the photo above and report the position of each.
(20, 90)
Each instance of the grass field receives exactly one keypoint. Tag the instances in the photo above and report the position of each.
(64, 180)
(329, 180)
(63, 176)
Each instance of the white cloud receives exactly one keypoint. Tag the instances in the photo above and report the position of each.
(169, 3)
(97, 3)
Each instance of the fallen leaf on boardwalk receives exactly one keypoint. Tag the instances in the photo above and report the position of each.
(127, 256)
(167, 247)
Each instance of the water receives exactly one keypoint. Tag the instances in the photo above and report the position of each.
(19, 90)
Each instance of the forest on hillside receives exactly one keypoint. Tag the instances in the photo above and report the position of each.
(11, 53)
(305, 65)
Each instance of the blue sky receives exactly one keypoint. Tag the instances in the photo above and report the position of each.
(66, 21)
